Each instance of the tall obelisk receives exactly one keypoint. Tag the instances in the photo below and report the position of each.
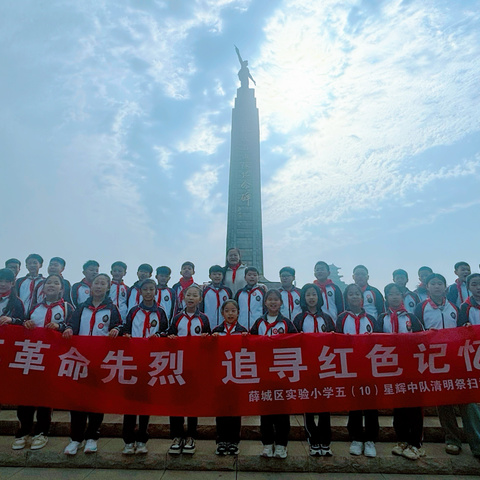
(244, 225)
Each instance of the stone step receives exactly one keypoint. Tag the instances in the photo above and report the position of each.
(109, 456)
(160, 427)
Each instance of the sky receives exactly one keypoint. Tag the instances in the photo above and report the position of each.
(115, 132)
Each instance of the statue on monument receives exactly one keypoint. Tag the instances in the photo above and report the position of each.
(244, 72)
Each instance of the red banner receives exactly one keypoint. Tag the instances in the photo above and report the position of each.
(239, 375)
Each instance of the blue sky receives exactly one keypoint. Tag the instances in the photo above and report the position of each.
(115, 131)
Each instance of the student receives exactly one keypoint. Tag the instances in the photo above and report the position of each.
(331, 293)
(313, 320)
(250, 299)
(14, 265)
(56, 266)
(410, 299)
(118, 289)
(11, 307)
(190, 322)
(436, 313)
(421, 290)
(81, 290)
(186, 271)
(215, 294)
(165, 295)
(470, 309)
(458, 292)
(356, 321)
(407, 422)
(26, 285)
(234, 271)
(52, 313)
(134, 297)
(373, 302)
(274, 429)
(146, 320)
(98, 316)
(228, 428)
(290, 294)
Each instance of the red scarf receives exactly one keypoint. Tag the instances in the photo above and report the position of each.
(189, 323)
(184, 283)
(434, 305)
(250, 293)
(88, 284)
(118, 285)
(50, 307)
(468, 301)
(315, 322)
(459, 284)
(94, 312)
(269, 326)
(230, 328)
(357, 319)
(394, 314)
(146, 322)
(323, 288)
(6, 294)
(234, 272)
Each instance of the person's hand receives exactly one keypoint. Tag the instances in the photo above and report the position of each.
(68, 333)
(171, 336)
(205, 334)
(113, 333)
(53, 326)
(244, 334)
(127, 335)
(5, 320)
(29, 324)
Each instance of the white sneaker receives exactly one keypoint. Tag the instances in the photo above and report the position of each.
(326, 451)
(19, 443)
(267, 451)
(189, 446)
(411, 453)
(90, 446)
(315, 450)
(370, 450)
(356, 448)
(141, 448)
(399, 448)
(38, 442)
(128, 449)
(280, 451)
(72, 447)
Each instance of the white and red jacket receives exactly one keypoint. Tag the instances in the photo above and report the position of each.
(410, 300)
(437, 316)
(373, 301)
(58, 312)
(134, 297)
(226, 329)
(309, 322)
(143, 321)
(11, 306)
(119, 296)
(80, 292)
(398, 321)
(235, 278)
(349, 322)
(213, 299)
(185, 324)
(332, 298)
(421, 292)
(280, 325)
(291, 302)
(250, 304)
(469, 312)
(457, 293)
(166, 299)
(26, 288)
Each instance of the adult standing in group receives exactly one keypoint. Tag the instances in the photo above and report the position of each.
(234, 271)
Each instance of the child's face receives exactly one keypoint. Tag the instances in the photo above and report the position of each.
(148, 292)
(55, 268)
(162, 279)
(5, 286)
(233, 257)
(355, 298)
(311, 297)
(33, 266)
(52, 288)
(286, 279)
(251, 278)
(230, 313)
(273, 304)
(187, 271)
(143, 274)
(360, 277)
(100, 286)
(14, 267)
(436, 288)
(118, 273)
(423, 275)
(216, 278)
(394, 298)
(90, 273)
(400, 279)
(462, 272)
(192, 298)
(474, 287)
(321, 273)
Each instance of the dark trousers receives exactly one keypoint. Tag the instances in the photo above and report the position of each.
(78, 425)
(25, 417)
(355, 425)
(275, 429)
(228, 429)
(321, 433)
(129, 423)
(408, 425)
(177, 429)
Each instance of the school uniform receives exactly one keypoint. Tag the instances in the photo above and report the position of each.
(134, 297)
(213, 299)
(80, 292)
(250, 304)
(318, 434)
(421, 292)
(228, 428)
(274, 428)
(408, 421)
(166, 299)
(410, 300)
(469, 312)
(351, 323)
(291, 302)
(234, 278)
(373, 301)
(457, 293)
(333, 304)
(11, 306)
(25, 287)
(446, 316)
(119, 296)
(39, 294)
(58, 312)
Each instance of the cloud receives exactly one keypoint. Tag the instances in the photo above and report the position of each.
(201, 184)
(164, 156)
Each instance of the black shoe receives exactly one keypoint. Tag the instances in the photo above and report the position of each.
(233, 449)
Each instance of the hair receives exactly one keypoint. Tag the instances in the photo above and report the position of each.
(59, 260)
(188, 263)
(359, 267)
(271, 292)
(148, 281)
(163, 270)
(61, 283)
(7, 274)
(103, 275)
(289, 270)
(35, 256)
(461, 264)
(230, 301)
(13, 260)
(434, 276)
(399, 271)
(389, 287)
(196, 287)
(119, 264)
(146, 268)
(347, 289)
(251, 269)
(303, 302)
(216, 269)
(428, 269)
(91, 263)
(321, 262)
(471, 277)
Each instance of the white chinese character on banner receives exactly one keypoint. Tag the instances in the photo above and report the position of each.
(243, 369)
(253, 396)
(472, 383)
(162, 360)
(303, 394)
(288, 360)
(465, 351)
(266, 396)
(291, 394)
(340, 392)
(30, 357)
(278, 395)
(432, 355)
(388, 389)
(383, 357)
(118, 368)
(73, 364)
(327, 363)
(460, 384)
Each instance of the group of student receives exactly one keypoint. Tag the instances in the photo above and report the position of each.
(234, 302)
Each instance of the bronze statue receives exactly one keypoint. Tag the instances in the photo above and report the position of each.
(244, 72)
